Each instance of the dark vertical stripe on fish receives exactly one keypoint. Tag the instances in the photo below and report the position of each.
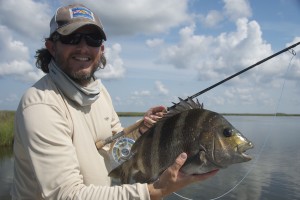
(210, 143)
(155, 157)
(170, 144)
(190, 132)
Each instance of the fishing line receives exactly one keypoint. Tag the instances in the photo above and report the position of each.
(265, 140)
(284, 80)
(99, 144)
(240, 72)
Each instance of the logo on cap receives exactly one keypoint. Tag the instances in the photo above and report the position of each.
(81, 12)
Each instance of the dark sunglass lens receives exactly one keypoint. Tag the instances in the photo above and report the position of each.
(71, 39)
(93, 40)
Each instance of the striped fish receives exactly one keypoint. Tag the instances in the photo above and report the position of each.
(209, 140)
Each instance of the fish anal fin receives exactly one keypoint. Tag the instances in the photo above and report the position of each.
(140, 177)
(122, 173)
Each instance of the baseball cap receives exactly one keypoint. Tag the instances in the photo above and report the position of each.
(68, 19)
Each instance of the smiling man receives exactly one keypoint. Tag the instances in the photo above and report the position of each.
(63, 115)
(78, 61)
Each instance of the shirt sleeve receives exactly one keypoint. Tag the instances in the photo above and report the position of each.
(47, 136)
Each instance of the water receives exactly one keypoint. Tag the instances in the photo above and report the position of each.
(274, 173)
(6, 172)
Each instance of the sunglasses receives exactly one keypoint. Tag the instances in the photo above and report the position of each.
(91, 39)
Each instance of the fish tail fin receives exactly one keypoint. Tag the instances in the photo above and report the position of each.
(121, 173)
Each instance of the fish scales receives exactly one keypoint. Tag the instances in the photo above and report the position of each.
(169, 142)
(209, 140)
(155, 157)
(142, 153)
(192, 131)
(146, 160)
(157, 139)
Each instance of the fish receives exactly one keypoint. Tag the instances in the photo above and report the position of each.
(207, 138)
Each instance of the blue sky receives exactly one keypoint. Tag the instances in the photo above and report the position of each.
(158, 51)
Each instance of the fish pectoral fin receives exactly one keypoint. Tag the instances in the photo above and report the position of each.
(202, 157)
(195, 163)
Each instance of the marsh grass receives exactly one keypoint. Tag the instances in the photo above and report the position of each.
(6, 127)
(7, 122)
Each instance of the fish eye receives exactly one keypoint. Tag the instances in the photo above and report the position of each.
(227, 132)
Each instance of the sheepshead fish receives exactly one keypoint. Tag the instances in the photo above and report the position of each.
(209, 140)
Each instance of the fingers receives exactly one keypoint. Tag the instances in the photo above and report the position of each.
(156, 111)
(169, 177)
(172, 179)
(180, 160)
(152, 116)
(150, 120)
(159, 110)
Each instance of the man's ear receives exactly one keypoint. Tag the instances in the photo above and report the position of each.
(51, 47)
(102, 48)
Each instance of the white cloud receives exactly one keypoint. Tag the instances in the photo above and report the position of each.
(208, 57)
(10, 48)
(114, 68)
(212, 19)
(141, 93)
(13, 55)
(293, 72)
(220, 56)
(15, 68)
(32, 75)
(25, 17)
(14, 58)
(140, 16)
(161, 88)
(232, 10)
(236, 9)
(244, 94)
(22, 26)
(154, 42)
(21, 41)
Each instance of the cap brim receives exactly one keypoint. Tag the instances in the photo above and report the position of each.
(70, 28)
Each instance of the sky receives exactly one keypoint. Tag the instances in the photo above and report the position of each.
(159, 50)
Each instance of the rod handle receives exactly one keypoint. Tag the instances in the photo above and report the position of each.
(125, 131)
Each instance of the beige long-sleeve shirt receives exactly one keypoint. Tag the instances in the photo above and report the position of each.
(55, 152)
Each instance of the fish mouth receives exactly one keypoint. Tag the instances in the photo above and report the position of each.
(243, 148)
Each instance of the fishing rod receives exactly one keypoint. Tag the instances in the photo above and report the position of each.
(240, 72)
(136, 125)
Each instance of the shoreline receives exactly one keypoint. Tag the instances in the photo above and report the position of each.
(7, 120)
(138, 114)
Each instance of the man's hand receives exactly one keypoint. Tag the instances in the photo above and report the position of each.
(173, 180)
(151, 117)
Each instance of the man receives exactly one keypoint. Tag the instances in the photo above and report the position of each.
(60, 118)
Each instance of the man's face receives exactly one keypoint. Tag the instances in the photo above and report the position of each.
(79, 61)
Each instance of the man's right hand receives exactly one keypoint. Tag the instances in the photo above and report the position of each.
(173, 180)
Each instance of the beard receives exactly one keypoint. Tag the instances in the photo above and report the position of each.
(82, 77)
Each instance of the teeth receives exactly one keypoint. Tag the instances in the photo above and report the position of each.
(246, 156)
(82, 58)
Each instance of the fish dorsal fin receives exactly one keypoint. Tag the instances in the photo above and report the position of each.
(183, 105)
